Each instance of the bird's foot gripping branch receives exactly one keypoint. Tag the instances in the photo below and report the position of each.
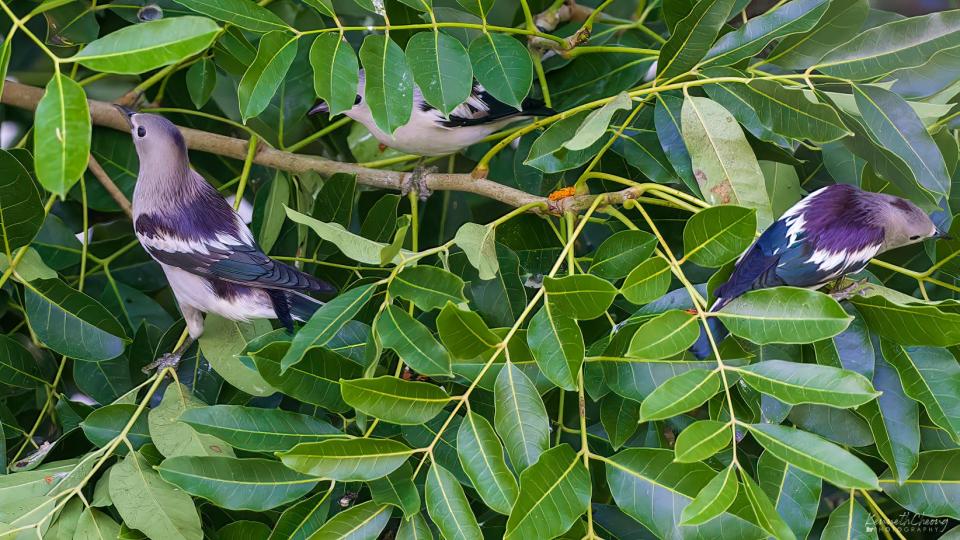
(684, 269)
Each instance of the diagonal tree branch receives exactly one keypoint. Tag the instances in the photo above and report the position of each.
(104, 114)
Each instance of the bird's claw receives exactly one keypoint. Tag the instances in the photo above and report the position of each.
(417, 181)
(851, 290)
(168, 360)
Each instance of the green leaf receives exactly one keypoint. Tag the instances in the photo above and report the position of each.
(783, 185)
(713, 499)
(647, 282)
(21, 212)
(842, 20)
(362, 522)
(441, 68)
(246, 15)
(260, 82)
(814, 455)
(766, 513)
(335, 72)
(723, 162)
(301, 520)
(913, 324)
(268, 213)
(554, 492)
(636, 379)
(520, 417)
(478, 242)
(680, 394)
(414, 529)
(901, 43)
(201, 79)
(896, 127)
(61, 135)
(236, 484)
(784, 315)
(667, 120)
(256, 429)
(347, 460)
(701, 440)
(784, 111)
(395, 400)
(148, 45)
(621, 253)
(849, 521)
(795, 383)
(481, 456)
(104, 424)
(315, 379)
(548, 153)
(934, 487)
(175, 438)
(665, 335)
(428, 287)
(397, 489)
(17, 367)
(222, 341)
(620, 418)
(448, 505)
(95, 525)
(692, 38)
(353, 246)
(388, 88)
(413, 342)
(894, 421)
(932, 377)
(795, 17)
(596, 123)
(794, 493)
(715, 236)
(326, 322)
(580, 296)
(651, 488)
(464, 333)
(148, 503)
(503, 66)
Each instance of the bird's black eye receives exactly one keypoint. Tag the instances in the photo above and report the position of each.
(141, 131)
(917, 237)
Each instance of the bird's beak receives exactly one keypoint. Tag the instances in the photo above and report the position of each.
(127, 114)
(941, 235)
(319, 108)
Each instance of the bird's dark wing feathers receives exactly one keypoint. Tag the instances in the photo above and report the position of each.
(482, 108)
(229, 257)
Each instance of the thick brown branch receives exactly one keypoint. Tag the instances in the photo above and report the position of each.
(104, 114)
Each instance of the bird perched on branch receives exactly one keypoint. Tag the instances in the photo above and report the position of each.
(832, 232)
(429, 133)
(210, 258)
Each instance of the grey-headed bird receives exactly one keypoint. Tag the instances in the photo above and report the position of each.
(832, 232)
(209, 256)
(429, 133)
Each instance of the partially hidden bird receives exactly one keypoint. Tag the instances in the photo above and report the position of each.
(206, 251)
(832, 232)
(430, 133)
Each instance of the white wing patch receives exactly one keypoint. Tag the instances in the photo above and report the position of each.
(843, 259)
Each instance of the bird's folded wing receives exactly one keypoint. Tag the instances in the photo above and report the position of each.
(482, 108)
(231, 259)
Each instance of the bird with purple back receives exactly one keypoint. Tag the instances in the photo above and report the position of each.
(206, 251)
(833, 232)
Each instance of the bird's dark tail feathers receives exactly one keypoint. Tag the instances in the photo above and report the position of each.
(701, 348)
(302, 307)
(535, 107)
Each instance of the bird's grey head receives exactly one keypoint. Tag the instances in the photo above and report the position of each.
(159, 143)
(903, 222)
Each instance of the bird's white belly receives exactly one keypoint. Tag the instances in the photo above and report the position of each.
(421, 136)
(196, 292)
